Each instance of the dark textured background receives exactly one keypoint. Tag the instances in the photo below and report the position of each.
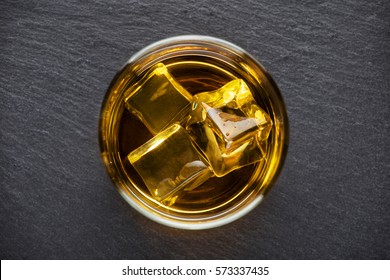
(331, 61)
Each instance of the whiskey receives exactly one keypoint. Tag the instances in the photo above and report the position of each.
(197, 67)
(196, 76)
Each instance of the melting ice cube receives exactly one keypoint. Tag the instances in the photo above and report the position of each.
(229, 127)
(158, 100)
(169, 164)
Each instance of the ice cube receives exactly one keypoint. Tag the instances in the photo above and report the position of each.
(229, 127)
(236, 97)
(158, 100)
(169, 164)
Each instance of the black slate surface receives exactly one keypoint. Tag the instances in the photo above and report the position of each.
(331, 61)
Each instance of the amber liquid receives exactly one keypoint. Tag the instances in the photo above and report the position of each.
(196, 74)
